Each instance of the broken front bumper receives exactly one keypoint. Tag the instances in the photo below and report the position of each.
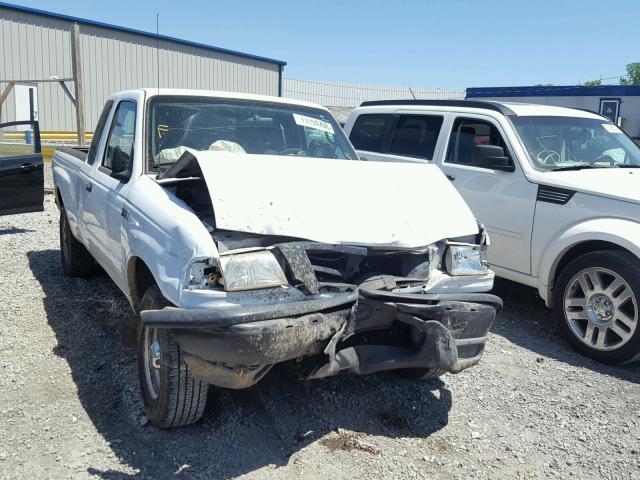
(234, 347)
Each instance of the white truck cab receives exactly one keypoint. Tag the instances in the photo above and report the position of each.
(233, 224)
(558, 190)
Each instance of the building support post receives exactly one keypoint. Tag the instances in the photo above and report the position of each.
(5, 94)
(76, 67)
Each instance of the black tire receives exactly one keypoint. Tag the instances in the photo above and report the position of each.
(422, 373)
(623, 264)
(76, 259)
(179, 398)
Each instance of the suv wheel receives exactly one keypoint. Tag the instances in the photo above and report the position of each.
(596, 305)
(172, 397)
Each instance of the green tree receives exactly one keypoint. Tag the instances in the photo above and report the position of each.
(633, 74)
(593, 83)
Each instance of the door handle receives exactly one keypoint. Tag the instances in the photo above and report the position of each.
(27, 167)
(88, 186)
(451, 177)
(125, 213)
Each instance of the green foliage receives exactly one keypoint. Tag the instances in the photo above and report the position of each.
(593, 83)
(633, 74)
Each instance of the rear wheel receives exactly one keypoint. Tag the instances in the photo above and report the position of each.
(172, 397)
(596, 305)
(76, 259)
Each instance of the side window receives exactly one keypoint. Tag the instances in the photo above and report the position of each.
(479, 144)
(93, 150)
(118, 154)
(368, 132)
(416, 136)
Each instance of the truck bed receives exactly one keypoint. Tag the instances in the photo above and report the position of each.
(77, 152)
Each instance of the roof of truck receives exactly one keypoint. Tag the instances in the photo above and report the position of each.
(154, 91)
(506, 108)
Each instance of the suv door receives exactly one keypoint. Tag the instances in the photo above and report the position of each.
(21, 169)
(480, 163)
(397, 137)
(370, 135)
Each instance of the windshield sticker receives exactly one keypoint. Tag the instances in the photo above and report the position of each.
(611, 128)
(313, 123)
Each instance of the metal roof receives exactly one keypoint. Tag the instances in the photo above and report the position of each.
(555, 91)
(118, 28)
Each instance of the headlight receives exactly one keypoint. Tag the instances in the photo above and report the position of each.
(251, 271)
(465, 259)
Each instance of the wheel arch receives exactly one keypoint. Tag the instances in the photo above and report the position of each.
(139, 279)
(58, 198)
(595, 235)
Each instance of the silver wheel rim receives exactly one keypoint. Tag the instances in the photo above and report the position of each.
(600, 308)
(152, 361)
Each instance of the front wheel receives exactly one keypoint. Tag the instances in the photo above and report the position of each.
(596, 305)
(172, 396)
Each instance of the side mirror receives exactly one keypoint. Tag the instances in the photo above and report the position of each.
(492, 156)
(121, 176)
(120, 165)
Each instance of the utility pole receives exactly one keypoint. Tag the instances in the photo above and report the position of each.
(76, 68)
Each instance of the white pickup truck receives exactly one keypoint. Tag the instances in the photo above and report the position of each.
(558, 190)
(245, 232)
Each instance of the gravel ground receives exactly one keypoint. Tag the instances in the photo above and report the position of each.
(70, 401)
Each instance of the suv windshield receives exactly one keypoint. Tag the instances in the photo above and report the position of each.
(557, 143)
(179, 124)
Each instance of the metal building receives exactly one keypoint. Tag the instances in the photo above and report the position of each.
(36, 51)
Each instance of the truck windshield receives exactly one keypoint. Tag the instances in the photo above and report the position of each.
(571, 143)
(179, 124)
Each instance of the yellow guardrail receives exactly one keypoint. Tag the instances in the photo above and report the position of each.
(46, 135)
(15, 141)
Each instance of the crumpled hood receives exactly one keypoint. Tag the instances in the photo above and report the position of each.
(400, 205)
(618, 183)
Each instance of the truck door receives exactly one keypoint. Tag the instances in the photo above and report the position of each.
(104, 211)
(21, 168)
(480, 163)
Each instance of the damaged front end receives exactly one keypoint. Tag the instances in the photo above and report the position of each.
(334, 308)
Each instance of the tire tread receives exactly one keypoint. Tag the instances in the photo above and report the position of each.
(79, 263)
(178, 405)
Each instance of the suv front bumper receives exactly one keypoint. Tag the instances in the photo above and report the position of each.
(234, 347)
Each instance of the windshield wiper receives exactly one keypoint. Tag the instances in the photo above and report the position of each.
(628, 166)
(573, 167)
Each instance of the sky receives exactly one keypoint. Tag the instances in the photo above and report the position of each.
(444, 44)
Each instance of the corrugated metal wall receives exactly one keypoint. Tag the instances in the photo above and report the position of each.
(352, 95)
(37, 47)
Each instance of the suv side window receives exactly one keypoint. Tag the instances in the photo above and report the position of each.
(416, 136)
(97, 134)
(369, 131)
(118, 153)
(467, 135)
